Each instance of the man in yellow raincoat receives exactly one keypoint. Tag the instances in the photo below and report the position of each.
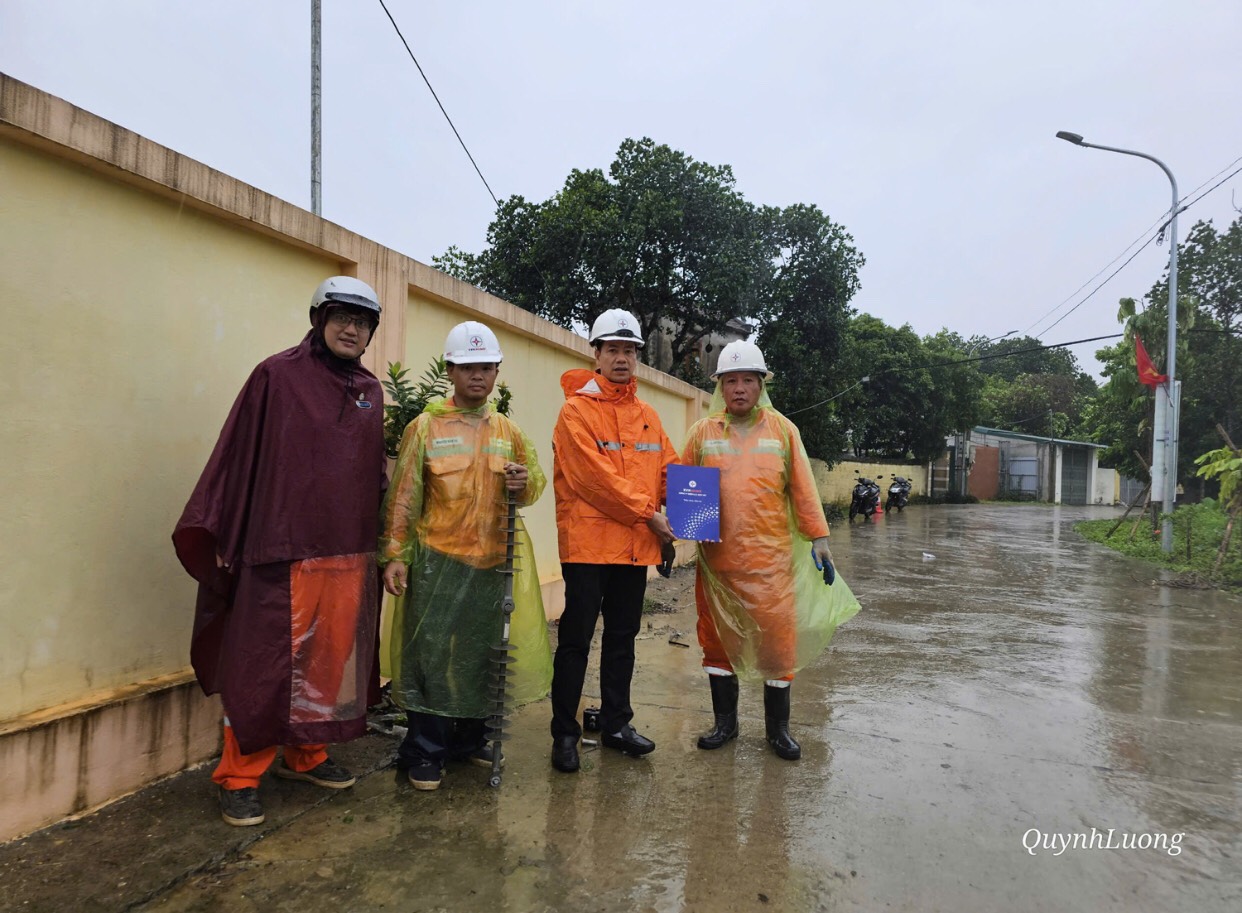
(443, 546)
(764, 608)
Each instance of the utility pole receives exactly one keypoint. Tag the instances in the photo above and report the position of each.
(316, 110)
(1168, 394)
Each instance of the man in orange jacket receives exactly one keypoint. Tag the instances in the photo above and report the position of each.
(609, 458)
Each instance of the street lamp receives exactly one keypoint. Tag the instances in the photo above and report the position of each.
(961, 456)
(1169, 408)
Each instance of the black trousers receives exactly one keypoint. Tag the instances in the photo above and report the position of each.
(436, 739)
(617, 591)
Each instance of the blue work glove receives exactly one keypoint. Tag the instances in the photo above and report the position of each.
(830, 573)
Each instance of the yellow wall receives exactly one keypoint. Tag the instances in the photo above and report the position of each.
(138, 289)
(131, 323)
(836, 485)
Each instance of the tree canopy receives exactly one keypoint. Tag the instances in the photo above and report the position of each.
(671, 239)
(662, 235)
(916, 391)
(1031, 389)
(1209, 353)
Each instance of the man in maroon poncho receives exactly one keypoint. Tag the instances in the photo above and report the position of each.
(280, 534)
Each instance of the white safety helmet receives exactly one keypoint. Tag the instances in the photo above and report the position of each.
(472, 343)
(617, 324)
(741, 355)
(346, 290)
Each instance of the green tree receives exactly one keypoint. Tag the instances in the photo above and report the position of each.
(662, 235)
(804, 319)
(915, 395)
(1014, 356)
(955, 399)
(1031, 389)
(1224, 465)
(1208, 353)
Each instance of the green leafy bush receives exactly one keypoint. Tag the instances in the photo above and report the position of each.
(410, 399)
(1198, 530)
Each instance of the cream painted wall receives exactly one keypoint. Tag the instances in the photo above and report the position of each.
(132, 324)
(140, 288)
(836, 485)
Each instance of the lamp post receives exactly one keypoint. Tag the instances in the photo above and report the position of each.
(963, 437)
(1170, 406)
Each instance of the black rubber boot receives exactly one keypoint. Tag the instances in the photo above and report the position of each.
(724, 705)
(776, 718)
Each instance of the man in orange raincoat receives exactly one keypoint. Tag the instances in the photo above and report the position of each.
(609, 458)
(764, 610)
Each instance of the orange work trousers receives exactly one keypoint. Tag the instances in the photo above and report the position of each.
(239, 771)
(777, 652)
(327, 599)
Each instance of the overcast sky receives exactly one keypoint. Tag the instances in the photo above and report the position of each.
(926, 129)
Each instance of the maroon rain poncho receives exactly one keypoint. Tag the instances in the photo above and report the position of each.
(290, 501)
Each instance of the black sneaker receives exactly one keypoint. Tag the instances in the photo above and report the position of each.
(329, 775)
(426, 775)
(241, 807)
(483, 756)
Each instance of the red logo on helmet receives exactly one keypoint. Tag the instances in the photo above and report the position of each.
(622, 322)
(736, 356)
(476, 342)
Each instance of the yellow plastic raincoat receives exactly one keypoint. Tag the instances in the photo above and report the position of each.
(444, 517)
(764, 609)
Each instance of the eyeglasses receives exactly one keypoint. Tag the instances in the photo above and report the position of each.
(342, 320)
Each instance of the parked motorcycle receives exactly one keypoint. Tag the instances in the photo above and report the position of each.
(898, 493)
(866, 497)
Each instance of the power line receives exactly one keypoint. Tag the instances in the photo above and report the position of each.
(1210, 189)
(1162, 222)
(1101, 285)
(1072, 294)
(1055, 345)
(438, 102)
(958, 361)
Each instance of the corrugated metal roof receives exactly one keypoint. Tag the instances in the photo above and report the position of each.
(997, 432)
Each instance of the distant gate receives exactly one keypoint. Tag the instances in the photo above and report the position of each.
(1075, 465)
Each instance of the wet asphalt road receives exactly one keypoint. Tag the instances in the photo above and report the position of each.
(1021, 687)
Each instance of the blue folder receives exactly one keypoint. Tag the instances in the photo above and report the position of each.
(693, 502)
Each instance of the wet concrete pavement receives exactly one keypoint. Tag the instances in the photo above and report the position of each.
(1020, 688)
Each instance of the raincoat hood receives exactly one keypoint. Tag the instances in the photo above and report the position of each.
(585, 382)
(719, 410)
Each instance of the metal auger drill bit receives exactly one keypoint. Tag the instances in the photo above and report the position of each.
(502, 653)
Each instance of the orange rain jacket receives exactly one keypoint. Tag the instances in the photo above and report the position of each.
(609, 455)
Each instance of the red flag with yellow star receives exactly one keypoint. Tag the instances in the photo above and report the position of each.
(1147, 374)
